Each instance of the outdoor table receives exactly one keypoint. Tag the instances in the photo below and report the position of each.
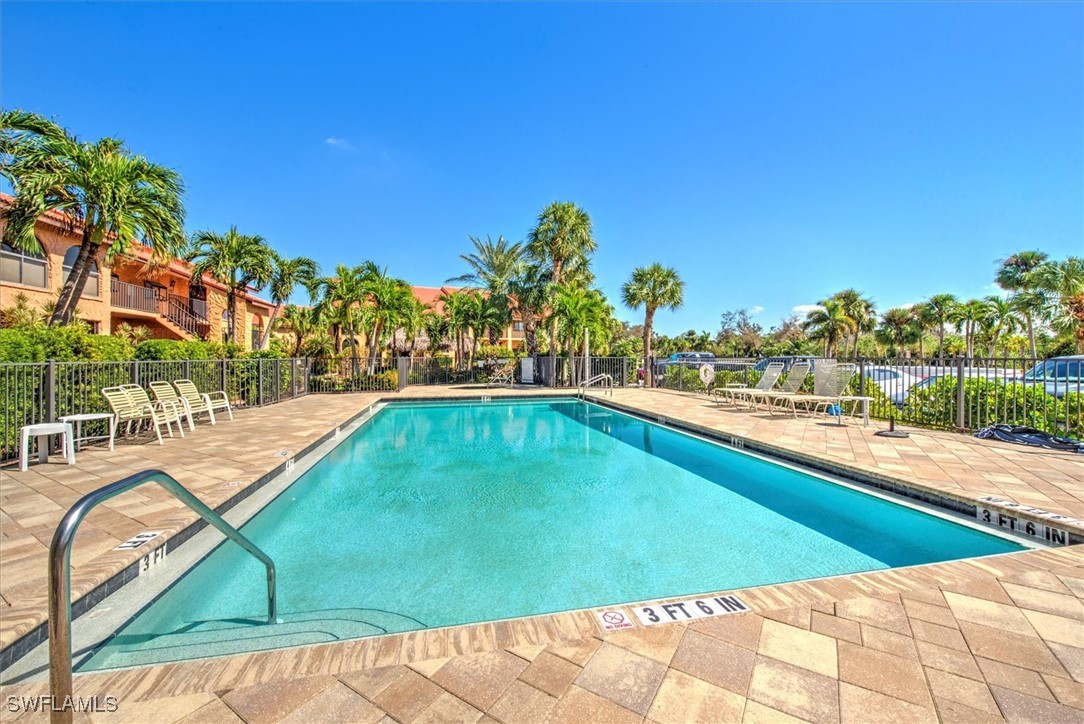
(87, 417)
(865, 407)
(42, 433)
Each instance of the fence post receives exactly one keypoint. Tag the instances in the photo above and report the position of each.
(259, 383)
(224, 376)
(403, 367)
(861, 376)
(50, 391)
(960, 395)
(135, 373)
(278, 381)
(187, 369)
(624, 371)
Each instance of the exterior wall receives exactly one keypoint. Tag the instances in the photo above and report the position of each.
(105, 313)
(92, 308)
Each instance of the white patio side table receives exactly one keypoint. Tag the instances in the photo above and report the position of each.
(87, 417)
(42, 433)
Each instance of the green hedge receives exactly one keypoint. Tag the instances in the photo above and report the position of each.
(989, 401)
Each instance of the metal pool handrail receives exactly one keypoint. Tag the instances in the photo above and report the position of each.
(598, 378)
(60, 606)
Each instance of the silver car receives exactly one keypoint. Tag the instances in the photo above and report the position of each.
(1058, 375)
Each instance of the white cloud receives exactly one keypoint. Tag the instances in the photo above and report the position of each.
(340, 143)
(755, 310)
(805, 308)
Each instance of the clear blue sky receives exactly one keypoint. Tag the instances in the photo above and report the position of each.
(772, 153)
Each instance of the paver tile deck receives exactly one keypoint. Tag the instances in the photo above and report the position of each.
(993, 639)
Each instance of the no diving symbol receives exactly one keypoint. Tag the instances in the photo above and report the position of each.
(612, 620)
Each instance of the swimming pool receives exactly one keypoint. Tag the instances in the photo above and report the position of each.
(434, 514)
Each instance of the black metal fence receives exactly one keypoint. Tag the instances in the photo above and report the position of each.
(952, 394)
(46, 391)
(346, 374)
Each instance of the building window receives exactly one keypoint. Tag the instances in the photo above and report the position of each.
(92, 289)
(225, 325)
(517, 326)
(20, 267)
(257, 331)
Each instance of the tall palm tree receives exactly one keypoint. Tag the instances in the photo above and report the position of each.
(1017, 274)
(968, 317)
(579, 310)
(302, 322)
(529, 292)
(860, 309)
(461, 312)
(494, 265)
(340, 299)
(234, 259)
(1064, 282)
(897, 328)
(286, 275)
(923, 317)
(114, 197)
(562, 237)
(1001, 318)
(653, 287)
(388, 299)
(829, 322)
(940, 309)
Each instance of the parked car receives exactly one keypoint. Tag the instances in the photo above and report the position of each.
(1058, 375)
(895, 383)
(788, 362)
(683, 359)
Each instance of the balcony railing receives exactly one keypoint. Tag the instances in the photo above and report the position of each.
(174, 308)
(130, 296)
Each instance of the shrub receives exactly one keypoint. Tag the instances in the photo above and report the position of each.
(159, 349)
(494, 351)
(19, 345)
(989, 401)
(101, 347)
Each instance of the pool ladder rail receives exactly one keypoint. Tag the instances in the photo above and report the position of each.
(602, 380)
(60, 606)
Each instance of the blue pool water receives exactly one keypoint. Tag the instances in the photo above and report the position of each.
(440, 514)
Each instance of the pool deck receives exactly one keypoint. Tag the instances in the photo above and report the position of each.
(1001, 638)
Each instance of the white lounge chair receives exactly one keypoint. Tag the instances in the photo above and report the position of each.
(133, 414)
(766, 382)
(504, 375)
(796, 377)
(835, 381)
(205, 401)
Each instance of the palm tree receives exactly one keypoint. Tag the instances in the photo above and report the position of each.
(561, 238)
(113, 196)
(828, 322)
(387, 300)
(460, 312)
(286, 275)
(302, 322)
(652, 287)
(579, 310)
(494, 265)
(1001, 319)
(968, 318)
(923, 317)
(1064, 281)
(1017, 274)
(529, 292)
(940, 309)
(236, 260)
(340, 300)
(897, 328)
(861, 310)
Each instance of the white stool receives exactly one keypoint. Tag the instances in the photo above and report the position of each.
(42, 432)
